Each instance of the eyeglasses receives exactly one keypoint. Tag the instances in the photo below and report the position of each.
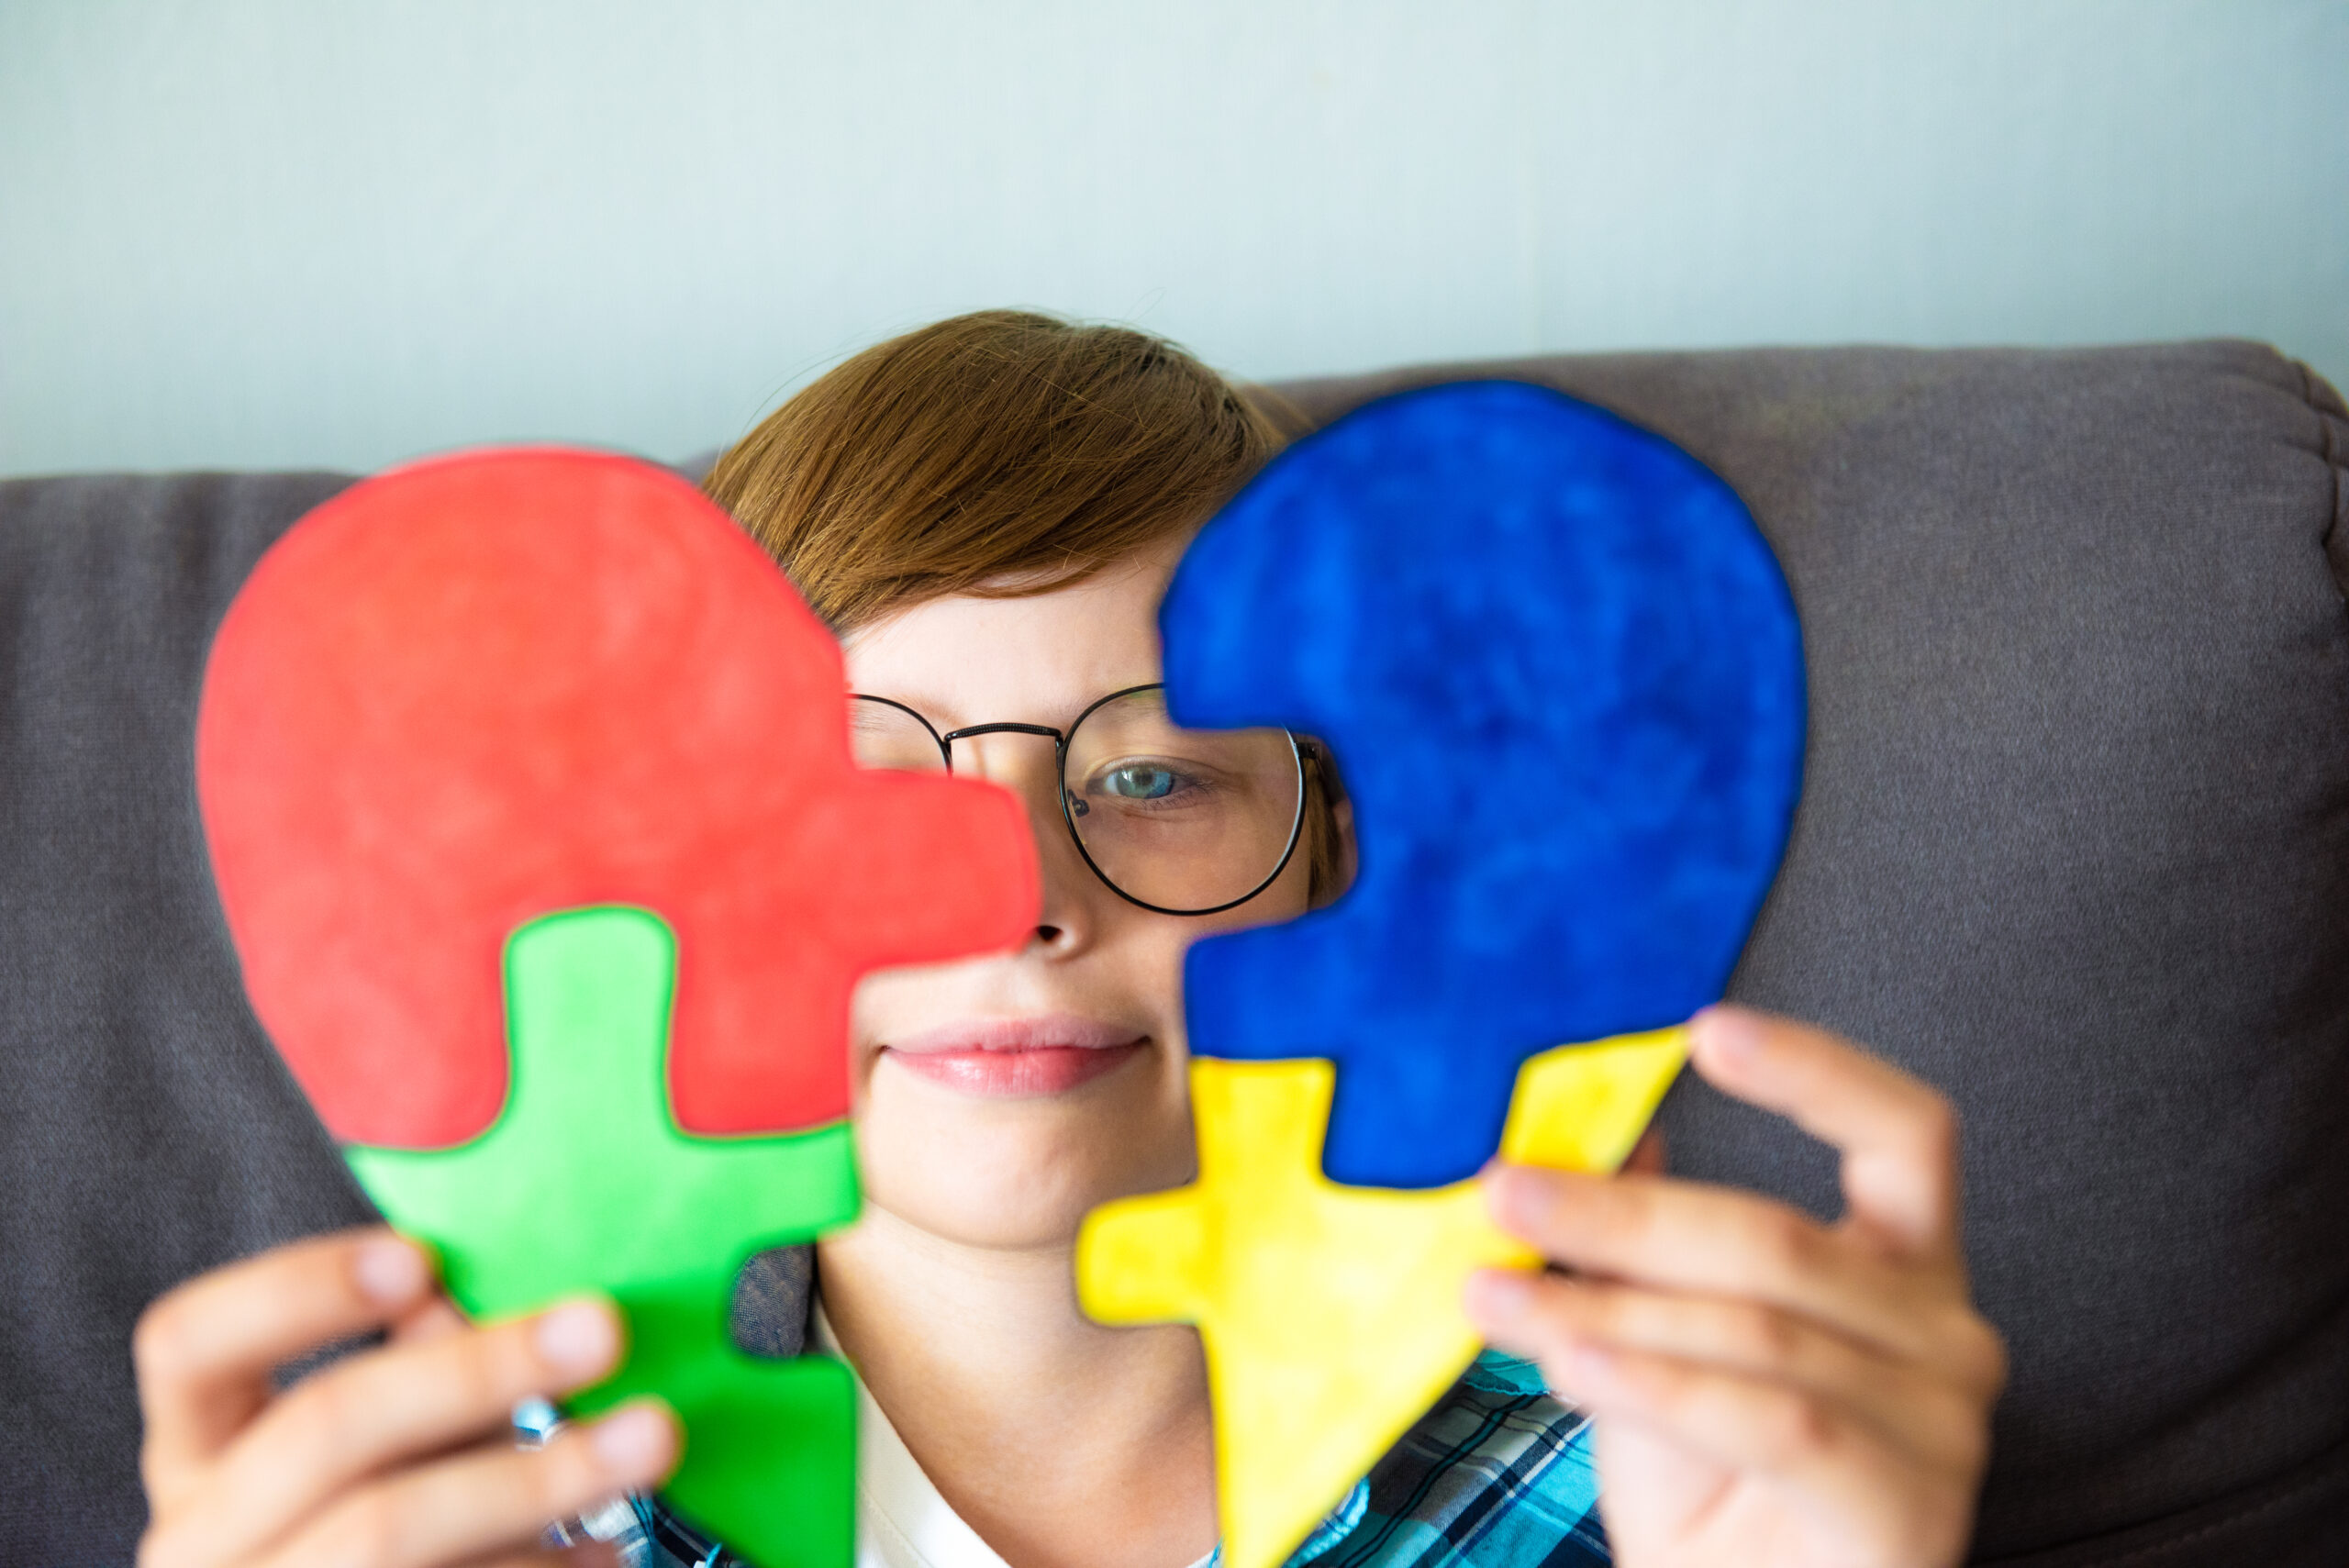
(1179, 822)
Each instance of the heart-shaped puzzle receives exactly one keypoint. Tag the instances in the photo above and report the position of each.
(1562, 676)
(527, 781)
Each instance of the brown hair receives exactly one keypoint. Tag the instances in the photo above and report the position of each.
(1003, 453)
(999, 452)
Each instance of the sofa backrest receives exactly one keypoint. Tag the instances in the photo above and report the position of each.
(2074, 845)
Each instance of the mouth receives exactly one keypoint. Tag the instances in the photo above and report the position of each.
(1016, 1058)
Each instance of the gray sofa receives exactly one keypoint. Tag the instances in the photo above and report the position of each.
(2074, 845)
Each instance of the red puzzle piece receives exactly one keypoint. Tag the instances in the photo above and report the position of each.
(482, 688)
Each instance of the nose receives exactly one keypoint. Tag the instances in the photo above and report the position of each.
(1029, 766)
(1066, 920)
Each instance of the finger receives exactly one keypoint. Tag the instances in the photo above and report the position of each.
(204, 1350)
(1811, 1444)
(1547, 1318)
(487, 1499)
(434, 1318)
(1898, 1136)
(1705, 1240)
(364, 1415)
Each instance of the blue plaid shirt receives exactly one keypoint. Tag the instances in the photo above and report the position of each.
(1497, 1475)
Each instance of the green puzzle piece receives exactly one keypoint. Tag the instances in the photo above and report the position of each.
(585, 1182)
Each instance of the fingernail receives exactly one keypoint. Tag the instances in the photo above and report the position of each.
(1498, 1297)
(578, 1337)
(1513, 1196)
(1730, 1034)
(390, 1270)
(633, 1442)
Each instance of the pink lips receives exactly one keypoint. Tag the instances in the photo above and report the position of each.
(1013, 1057)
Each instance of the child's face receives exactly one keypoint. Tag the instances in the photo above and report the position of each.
(999, 1098)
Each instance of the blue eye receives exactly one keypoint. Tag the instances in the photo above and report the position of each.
(1141, 781)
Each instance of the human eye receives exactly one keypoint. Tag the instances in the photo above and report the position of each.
(1150, 782)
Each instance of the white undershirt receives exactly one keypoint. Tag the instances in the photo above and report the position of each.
(901, 1520)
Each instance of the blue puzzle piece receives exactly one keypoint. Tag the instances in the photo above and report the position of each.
(1562, 676)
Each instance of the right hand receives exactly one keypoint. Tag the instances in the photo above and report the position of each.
(400, 1457)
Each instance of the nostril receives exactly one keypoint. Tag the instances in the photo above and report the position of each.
(1048, 933)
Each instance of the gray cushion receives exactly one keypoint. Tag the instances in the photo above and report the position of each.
(149, 1131)
(2074, 845)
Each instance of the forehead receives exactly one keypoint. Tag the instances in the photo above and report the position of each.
(1037, 659)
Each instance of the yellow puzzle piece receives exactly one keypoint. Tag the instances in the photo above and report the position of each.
(1331, 1314)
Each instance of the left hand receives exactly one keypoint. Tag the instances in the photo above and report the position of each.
(1767, 1390)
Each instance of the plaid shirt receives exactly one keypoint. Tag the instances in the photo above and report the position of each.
(1497, 1475)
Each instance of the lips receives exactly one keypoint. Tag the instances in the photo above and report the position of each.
(1012, 1058)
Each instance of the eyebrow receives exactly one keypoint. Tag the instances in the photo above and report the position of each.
(937, 714)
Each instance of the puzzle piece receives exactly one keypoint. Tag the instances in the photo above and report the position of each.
(1562, 673)
(1331, 1314)
(477, 689)
(585, 1182)
(474, 692)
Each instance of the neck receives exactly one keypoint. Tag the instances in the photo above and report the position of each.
(1059, 1441)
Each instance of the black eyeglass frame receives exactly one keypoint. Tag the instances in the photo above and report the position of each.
(1301, 752)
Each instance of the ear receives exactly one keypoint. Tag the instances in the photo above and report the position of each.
(1342, 817)
(1333, 872)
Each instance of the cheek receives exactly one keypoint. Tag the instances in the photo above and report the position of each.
(894, 1001)
(1168, 937)
(1289, 897)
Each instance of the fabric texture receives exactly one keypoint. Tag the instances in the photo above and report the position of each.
(147, 1129)
(2074, 845)
(1498, 1475)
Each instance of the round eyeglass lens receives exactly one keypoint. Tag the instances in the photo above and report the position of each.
(883, 735)
(1187, 821)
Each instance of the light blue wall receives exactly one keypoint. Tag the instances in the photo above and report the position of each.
(335, 232)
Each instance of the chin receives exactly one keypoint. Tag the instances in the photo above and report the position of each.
(991, 1212)
(1015, 1174)
(1015, 1224)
